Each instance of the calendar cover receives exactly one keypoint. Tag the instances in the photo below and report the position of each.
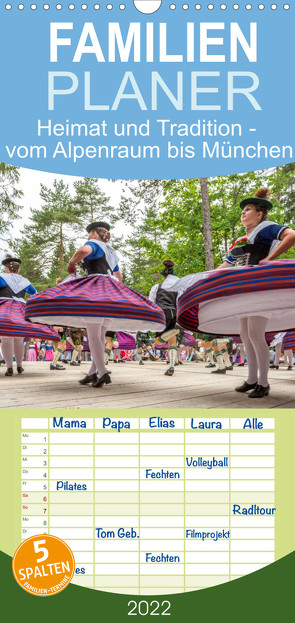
(147, 211)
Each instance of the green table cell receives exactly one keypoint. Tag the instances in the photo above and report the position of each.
(257, 497)
(86, 580)
(161, 509)
(33, 497)
(109, 497)
(207, 497)
(71, 509)
(35, 509)
(116, 509)
(206, 509)
(71, 497)
(104, 581)
(161, 497)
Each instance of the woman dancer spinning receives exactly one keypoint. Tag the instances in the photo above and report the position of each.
(97, 302)
(267, 240)
(167, 301)
(13, 326)
(218, 302)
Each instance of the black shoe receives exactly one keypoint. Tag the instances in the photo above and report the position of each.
(9, 372)
(229, 368)
(65, 361)
(141, 363)
(103, 380)
(240, 365)
(273, 367)
(57, 367)
(180, 363)
(245, 387)
(259, 392)
(2, 361)
(108, 371)
(20, 370)
(219, 371)
(211, 365)
(169, 372)
(88, 379)
(74, 363)
(290, 368)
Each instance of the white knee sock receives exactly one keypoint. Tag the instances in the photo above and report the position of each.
(289, 356)
(19, 349)
(75, 354)
(251, 356)
(56, 356)
(7, 350)
(219, 359)
(96, 338)
(172, 355)
(278, 350)
(226, 358)
(256, 327)
(209, 353)
(92, 369)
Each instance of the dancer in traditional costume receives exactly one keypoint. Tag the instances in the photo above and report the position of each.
(283, 342)
(167, 301)
(208, 345)
(221, 354)
(247, 298)
(144, 342)
(117, 340)
(180, 343)
(288, 347)
(98, 302)
(59, 349)
(109, 345)
(13, 326)
(277, 342)
(75, 338)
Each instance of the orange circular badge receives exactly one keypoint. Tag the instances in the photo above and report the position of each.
(43, 565)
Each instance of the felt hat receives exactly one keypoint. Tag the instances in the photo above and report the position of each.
(97, 224)
(260, 199)
(10, 259)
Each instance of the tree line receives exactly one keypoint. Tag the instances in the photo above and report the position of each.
(191, 221)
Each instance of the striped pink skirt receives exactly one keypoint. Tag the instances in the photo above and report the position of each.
(13, 323)
(216, 304)
(95, 299)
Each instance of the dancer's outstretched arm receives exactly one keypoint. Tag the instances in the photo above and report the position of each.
(79, 255)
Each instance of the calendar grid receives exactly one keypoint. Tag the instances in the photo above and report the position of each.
(141, 481)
